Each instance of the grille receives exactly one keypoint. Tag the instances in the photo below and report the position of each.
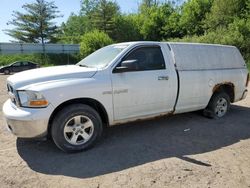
(10, 88)
(11, 93)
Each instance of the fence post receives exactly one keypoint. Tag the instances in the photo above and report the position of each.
(21, 47)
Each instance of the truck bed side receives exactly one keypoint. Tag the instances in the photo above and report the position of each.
(201, 68)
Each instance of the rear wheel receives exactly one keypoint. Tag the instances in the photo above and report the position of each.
(6, 71)
(218, 105)
(76, 128)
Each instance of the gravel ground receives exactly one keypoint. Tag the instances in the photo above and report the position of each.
(185, 150)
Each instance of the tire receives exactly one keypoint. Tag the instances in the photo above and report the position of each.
(6, 71)
(76, 128)
(218, 106)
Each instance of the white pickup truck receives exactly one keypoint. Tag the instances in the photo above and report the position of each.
(122, 83)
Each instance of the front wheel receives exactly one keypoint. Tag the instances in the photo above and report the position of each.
(218, 105)
(76, 128)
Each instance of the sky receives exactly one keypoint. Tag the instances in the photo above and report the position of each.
(66, 7)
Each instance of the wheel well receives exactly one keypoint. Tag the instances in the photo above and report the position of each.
(227, 88)
(88, 101)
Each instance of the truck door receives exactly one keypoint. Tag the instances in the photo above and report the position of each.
(149, 89)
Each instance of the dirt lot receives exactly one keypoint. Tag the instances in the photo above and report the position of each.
(185, 150)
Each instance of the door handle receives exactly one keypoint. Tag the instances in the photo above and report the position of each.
(163, 77)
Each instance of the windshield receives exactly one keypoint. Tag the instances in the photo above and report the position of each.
(102, 57)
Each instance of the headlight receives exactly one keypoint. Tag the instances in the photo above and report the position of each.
(32, 99)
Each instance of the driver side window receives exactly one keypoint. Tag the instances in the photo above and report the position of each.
(147, 58)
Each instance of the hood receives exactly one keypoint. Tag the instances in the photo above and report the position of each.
(49, 74)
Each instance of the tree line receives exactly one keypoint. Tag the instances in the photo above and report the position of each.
(101, 22)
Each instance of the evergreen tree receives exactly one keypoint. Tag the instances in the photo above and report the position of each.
(35, 25)
(88, 6)
(74, 28)
(103, 16)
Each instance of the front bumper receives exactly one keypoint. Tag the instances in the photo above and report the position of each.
(27, 122)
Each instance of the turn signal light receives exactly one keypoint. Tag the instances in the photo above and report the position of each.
(39, 103)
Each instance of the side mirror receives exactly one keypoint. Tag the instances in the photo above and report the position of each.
(126, 66)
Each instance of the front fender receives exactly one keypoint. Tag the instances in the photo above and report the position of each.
(60, 91)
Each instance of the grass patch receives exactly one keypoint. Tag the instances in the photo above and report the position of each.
(41, 59)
